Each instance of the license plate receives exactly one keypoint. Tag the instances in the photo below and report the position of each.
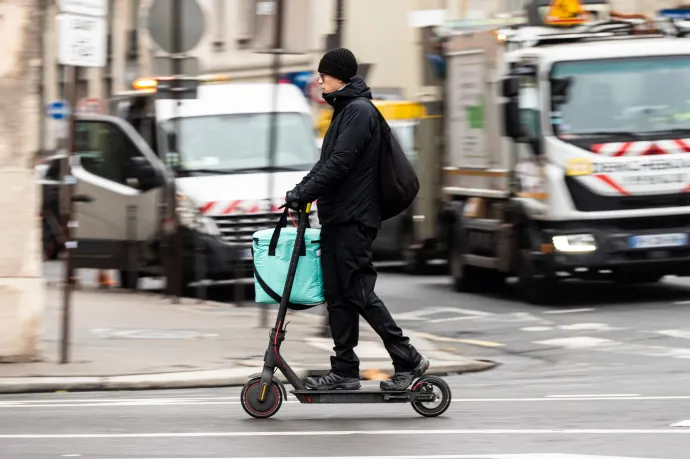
(650, 241)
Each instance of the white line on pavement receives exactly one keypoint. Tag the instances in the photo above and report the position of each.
(592, 395)
(450, 456)
(681, 424)
(325, 433)
(569, 311)
(115, 399)
(548, 398)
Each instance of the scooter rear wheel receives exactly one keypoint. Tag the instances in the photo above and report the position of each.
(442, 393)
(249, 397)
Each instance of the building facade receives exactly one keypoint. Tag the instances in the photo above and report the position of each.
(380, 33)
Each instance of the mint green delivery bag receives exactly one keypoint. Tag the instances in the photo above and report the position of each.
(272, 250)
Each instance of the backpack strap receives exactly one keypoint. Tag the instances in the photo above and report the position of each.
(382, 121)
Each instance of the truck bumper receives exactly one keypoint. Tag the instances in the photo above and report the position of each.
(615, 250)
(210, 258)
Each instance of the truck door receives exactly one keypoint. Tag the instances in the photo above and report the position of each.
(124, 183)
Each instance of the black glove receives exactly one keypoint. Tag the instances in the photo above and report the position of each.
(292, 198)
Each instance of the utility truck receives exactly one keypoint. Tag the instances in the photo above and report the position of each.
(566, 154)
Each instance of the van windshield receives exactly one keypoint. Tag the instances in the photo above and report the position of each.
(240, 142)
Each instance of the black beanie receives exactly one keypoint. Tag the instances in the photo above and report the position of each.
(339, 63)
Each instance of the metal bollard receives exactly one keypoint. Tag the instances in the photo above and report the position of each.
(132, 247)
(200, 269)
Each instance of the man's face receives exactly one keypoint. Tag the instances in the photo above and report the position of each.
(329, 84)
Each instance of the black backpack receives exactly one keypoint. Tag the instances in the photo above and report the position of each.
(398, 182)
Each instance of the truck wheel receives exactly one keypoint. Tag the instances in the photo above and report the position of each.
(467, 278)
(414, 261)
(533, 289)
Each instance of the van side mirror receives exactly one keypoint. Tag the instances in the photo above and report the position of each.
(511, 120)
(510, 87)
(146, 174)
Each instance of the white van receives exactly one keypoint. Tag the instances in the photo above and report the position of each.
(219, 162)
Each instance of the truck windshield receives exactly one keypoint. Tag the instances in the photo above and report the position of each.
(240, 142)
(647, 96)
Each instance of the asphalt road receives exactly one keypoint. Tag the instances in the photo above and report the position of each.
(489, 416)
(603, 374)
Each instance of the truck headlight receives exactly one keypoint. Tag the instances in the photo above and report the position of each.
(191, 218)
(574, 243)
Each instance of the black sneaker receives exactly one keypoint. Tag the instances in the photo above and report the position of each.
(402, 380)
(332, 381)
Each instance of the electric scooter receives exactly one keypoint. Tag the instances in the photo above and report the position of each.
(263, 395)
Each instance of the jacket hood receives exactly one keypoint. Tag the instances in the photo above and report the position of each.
(356, 88)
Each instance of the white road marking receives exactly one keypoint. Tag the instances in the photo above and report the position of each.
(447, 456)
(616, 347)
(684, 334)
(423, 314)
(682, 302)
(593, 395)
(590, 326)
(576, 342)
(547, 398)
(685, 423)
(328, 433)
(569, 311)
(98, 399)
(536, 329)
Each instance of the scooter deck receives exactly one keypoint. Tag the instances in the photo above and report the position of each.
(361, 396)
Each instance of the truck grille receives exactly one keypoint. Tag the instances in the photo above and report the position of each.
(238, 229)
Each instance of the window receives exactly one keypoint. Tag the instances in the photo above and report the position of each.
(104, 150)
(642, 95)
(241, 141)
(528, 104)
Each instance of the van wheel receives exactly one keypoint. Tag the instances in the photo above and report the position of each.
(467, 278)
(531, 288)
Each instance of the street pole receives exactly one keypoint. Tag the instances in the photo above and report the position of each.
(273, 133)
(175, 277)
(337, 43)
(68, 183)
(339, 20)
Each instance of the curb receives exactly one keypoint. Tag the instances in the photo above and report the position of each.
(196, 379)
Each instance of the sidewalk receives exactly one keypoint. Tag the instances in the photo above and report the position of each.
(123, 340)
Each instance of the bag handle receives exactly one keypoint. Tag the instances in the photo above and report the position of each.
(276, 235)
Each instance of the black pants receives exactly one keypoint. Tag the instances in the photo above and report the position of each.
(349, 279)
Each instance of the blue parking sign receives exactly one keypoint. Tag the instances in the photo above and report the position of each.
(58, 110)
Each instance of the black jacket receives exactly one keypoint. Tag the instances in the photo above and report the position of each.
(345, 179)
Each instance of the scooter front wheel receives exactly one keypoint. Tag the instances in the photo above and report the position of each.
(442, 396)
(251, 392)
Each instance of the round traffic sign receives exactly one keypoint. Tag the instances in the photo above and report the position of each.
(90, 105)
(160, 23)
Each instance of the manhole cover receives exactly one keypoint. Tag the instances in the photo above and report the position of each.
(110, 333)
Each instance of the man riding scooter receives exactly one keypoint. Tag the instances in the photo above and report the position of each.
(345, 182)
